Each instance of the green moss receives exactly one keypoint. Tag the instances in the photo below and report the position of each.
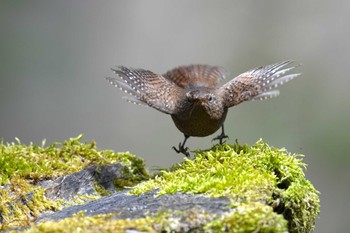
(129, 179)
(101, 190)
(247, 175)
(98, 223)
(255, 217)
(34, 162)
(22, 166)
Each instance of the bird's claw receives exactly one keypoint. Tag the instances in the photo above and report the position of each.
(220, 137)
(182, 150)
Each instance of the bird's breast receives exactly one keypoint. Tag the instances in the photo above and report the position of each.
(197, 122)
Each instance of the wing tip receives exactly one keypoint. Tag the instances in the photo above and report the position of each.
(267, 95)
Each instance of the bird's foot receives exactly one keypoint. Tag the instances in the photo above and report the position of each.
(182, 150)
(221, 137)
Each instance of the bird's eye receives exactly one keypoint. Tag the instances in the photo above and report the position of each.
(210, 98)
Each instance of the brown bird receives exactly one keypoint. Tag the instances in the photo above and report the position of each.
(191, 95)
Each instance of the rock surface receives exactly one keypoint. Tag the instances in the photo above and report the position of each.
(131, 206)
(84, 182)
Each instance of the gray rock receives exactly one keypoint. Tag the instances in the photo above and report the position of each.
(131, 206)
(84, 182)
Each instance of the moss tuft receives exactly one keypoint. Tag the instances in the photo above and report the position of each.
(34, 163)
(249, 218)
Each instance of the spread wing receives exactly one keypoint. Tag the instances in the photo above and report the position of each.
(194, 76)
(147, 88)
(257, 84)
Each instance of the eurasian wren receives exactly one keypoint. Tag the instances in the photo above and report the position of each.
(191, 95)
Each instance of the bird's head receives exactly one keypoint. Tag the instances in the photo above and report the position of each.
(206, 100)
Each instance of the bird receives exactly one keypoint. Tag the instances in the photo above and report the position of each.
(192, 96)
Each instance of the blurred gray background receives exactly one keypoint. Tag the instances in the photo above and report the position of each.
(54, 56)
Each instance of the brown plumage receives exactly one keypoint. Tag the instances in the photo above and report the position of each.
(191, 95)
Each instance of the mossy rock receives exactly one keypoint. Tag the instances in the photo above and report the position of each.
(263, 183)
(258, 188)
(25, 170)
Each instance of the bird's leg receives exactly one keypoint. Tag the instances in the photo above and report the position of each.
(182, 148)
(221, 136)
